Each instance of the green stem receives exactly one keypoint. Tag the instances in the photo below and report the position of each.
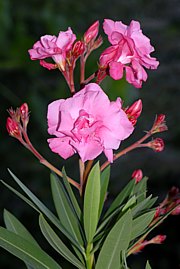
(89, 256)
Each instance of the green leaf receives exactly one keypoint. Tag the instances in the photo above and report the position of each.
(45, 210)
(104, 180)
(91, 202)
(141, 206)
(64, 208)
(71, 195)
(141, 189)
(141, 223)
(29, 253)
(148, 265)
(108, 219)
(57, 244)
(117, 240)
(14, 225)
(129, 203)
(125, 193)
(21, 196)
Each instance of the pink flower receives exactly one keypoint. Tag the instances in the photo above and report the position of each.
(87, 123)
(54, 47)
(130, 51)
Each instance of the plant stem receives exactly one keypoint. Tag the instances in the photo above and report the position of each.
(45, 162)
(126, 150)
(81, 170)
(82, 69)
(89, 256)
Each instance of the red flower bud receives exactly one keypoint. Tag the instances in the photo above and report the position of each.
(176, 211)
(91, 33)
(157, 144)
(78, 49)
(134, 111)
(13, 128)
(137, 175)
(159, 239)
(24, 111)
(98, 42)
(159, 124)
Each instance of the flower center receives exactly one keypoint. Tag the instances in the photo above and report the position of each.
(85, 126)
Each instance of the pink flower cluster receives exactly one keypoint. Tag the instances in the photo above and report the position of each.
(130, 51)
(87, 123)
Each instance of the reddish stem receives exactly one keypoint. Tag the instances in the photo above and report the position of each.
(126, 150)
(45, 162)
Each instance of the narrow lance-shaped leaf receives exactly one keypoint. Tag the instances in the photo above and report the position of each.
(141, 223)
(64, 209)
(91, 202)
(148, 265)
(124, 194)
(105, 175)
(57, 243)
(29, 253)
(71, 195)
(14, 225)
(141, 189)
(45, 211)
(117, 241)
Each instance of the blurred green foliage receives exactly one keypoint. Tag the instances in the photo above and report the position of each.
(21, 80)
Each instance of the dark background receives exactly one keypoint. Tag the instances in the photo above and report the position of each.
(21, 80)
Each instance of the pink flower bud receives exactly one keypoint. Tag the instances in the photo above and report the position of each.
(159, 239)
(92, 32)
(173, 193)
(157, 144)
(98, 42)
(13, 128)
(176, 211)
(140, 245)
(137, 175)
(78, 49)
(159, 124)
(24, 112)
(134, 111)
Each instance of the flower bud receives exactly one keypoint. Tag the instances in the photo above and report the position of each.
(13, 128)
(173, 193)
(159, 239)
(176, 211)
(78, 49)
(159, 124)
(140, 245)
(92, 32)
(98, 42)
(157, 144)
(134, 111)
(24, 112)
(137, 175)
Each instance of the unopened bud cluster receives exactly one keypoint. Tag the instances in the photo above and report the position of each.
(18, 120)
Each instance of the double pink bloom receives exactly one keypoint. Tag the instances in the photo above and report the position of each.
(54, 47)
(130, 51)
(87, 123)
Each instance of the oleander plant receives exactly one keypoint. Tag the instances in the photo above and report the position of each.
(100, 235)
